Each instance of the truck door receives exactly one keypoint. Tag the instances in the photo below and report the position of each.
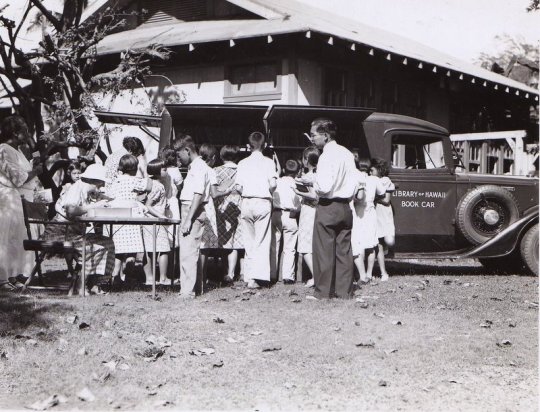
(288, 124)
(424, 202)
(217, 124)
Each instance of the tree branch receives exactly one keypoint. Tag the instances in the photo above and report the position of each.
(54, 21)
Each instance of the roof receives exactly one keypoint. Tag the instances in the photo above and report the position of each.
(290, 16)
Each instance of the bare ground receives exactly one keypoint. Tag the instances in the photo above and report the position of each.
(449, 337)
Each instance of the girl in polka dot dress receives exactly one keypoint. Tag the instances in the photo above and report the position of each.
(127, 191)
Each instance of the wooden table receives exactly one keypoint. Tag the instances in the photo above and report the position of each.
(138, 221)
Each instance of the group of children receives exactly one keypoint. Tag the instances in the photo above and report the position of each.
(247, 206)
(373, 230)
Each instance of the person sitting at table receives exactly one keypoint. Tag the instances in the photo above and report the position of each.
(156, 202)
(82, 196)
(126, 191)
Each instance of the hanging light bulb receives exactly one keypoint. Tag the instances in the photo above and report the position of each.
(191, 47)
(371, 52)
(420, 65)
(231, 43)
(269, 39)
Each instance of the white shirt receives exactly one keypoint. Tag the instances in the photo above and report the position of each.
(336, 171)
(255, 174)
(197, 181)
(284, 196)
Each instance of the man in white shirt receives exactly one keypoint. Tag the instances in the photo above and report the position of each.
(286, 205)
(256, 180)
(195, 194)
(335, 185)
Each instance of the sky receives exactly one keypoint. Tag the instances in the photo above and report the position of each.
(462, 28)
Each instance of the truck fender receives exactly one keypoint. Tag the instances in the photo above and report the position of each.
(506, 241)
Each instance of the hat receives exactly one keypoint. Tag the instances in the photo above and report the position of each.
(95, 172)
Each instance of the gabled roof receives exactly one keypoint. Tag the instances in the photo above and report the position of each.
(289, 16)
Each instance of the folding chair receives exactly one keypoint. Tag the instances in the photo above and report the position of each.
(36, 214)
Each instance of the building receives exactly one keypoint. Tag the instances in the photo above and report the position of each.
(286, 52)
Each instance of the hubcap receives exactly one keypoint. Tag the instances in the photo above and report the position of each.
(491, 217)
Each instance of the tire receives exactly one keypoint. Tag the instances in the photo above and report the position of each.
(485, 211)
(529, 250)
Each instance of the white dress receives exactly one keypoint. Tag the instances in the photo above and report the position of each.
(14, 169)
(306, 222)
(171, 183)
(385, 215)
(364, 231)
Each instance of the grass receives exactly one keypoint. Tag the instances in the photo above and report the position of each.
(275, 350)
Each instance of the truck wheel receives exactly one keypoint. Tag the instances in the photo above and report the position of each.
(485, 211)
(529, 249)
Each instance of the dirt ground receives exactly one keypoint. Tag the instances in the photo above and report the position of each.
(435, 337)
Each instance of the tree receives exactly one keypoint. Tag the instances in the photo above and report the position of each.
(534, 5)
(517, 60)
(63, 74)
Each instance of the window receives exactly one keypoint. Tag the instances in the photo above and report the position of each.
(413, 151)
(335, 87)
(252, 82)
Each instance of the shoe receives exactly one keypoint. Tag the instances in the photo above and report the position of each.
(7, 287)
(228, 279)
(253, 285)
(310, 283)
(186, 296)
(385, 277)
(96, 290)
(311, 297)
(288, 282)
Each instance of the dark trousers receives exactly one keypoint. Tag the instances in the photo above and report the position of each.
(332, 256)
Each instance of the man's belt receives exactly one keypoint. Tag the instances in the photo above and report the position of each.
(325, 201)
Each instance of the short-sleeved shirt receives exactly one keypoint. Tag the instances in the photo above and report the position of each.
(127, 187)
(255, 174)
(198, 181)
(284, 196)
(388, 184)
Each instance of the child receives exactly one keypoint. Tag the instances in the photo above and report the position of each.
(125, 190)
(73, 174)
(386, 232)
(364, 231)
(156, 202)
(256, 180)
(172, 182)
(286, 205)
(310, 158)
(229, 223)
(195, 194)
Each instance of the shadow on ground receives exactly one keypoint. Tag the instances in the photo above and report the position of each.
(18, 313)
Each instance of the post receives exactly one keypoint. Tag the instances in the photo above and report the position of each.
(83, 272)
(153, 261)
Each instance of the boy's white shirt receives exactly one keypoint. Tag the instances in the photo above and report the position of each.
(284, 196)
(254, 175)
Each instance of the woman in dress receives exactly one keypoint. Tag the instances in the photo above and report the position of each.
(17, 176)
(310, 158)
(229, 227)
